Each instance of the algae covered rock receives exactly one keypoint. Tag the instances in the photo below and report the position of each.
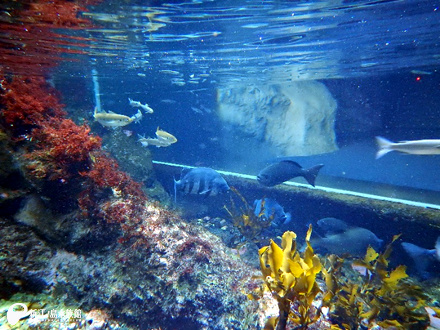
(294, 119)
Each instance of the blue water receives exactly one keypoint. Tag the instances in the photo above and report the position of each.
(379, 60)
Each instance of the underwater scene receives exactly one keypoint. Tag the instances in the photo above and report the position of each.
(200, 164)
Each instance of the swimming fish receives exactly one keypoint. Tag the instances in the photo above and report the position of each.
(422, 257)
(165, 136)
(332, 225)
(268, 209)
(285, 170)
(164, 139)
(417, 147)
(200, 181)
(138, 104)
(353, 241)
(111, 119)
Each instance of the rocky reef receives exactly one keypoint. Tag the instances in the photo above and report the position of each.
(83, 238)
(295, 119)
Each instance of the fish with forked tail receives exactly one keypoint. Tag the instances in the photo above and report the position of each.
(417, 147)
(111, 119)
(285, 170)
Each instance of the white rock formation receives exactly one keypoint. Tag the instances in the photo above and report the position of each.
(295, 119)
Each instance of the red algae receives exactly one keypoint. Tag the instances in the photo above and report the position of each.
(56, 152)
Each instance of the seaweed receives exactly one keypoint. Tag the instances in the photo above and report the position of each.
(383, 297)
(244, 218)
(291, 278)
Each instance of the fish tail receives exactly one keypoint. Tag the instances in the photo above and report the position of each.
(288, 218)
(175, 191)
(437, 249)
(311, 174)
(384, 146)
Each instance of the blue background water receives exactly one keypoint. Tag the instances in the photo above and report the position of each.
(379, 60)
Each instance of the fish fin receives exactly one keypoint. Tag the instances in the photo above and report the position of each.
(437, 249)
(311, 174)
(291, 162)
(384, 146)
(420, 256)
(288, 218)
(184, 172)
(175, 190)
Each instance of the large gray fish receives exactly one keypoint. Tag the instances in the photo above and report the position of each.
(423, 258)
(332, 225)
(285, 170)
(200, 181)
(417, 147)
(353, 241)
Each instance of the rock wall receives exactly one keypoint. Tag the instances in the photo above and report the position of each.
(295, 119)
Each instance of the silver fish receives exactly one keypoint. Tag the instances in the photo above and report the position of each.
(138, 104)
(416, 147)
(111, 119)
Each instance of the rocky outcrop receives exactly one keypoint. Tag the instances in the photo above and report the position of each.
(295, 119)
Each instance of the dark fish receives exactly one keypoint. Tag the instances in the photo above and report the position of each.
(268, 209)
(423, 258)
(353, 241)
(285, 170)
(332, 225)
(200, 181)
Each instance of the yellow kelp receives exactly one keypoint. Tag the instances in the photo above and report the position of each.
(381, 296)
(244, 218)
(292, 280)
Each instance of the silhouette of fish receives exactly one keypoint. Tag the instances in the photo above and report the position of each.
(332, 225)
(200, 181)
(417, 147)
(268, 209)
(423, 258)
(285, 170)
(353, 241)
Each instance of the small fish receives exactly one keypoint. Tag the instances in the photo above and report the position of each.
(127, 132)
(168, 101)
(164, 139)
(111, 119)
(421, 72)
(354, 241)
(285, 170)
(165, 136)
(422, 257)
(267, 209)
(138, 104)
(153, 142)
(417, 147)
(200, 181)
